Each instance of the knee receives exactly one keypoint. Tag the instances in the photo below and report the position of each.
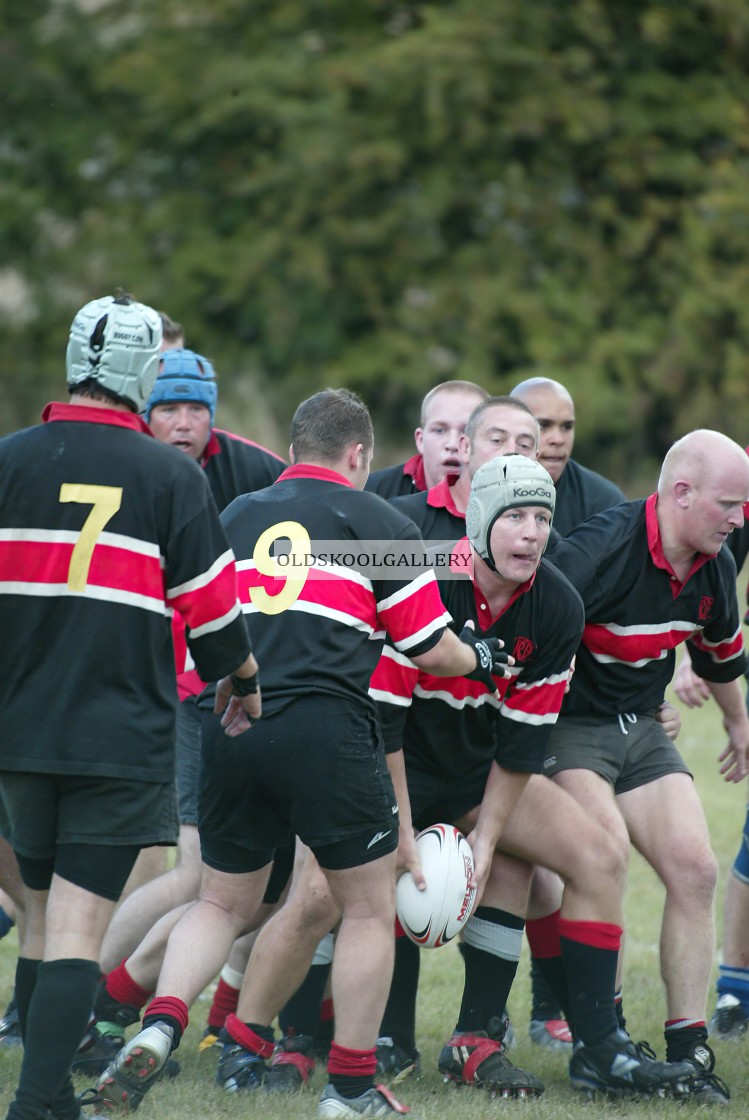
(694, 875)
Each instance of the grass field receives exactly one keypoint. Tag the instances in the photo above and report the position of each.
(193, 1096)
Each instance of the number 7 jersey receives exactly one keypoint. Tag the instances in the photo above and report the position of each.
(104, 534)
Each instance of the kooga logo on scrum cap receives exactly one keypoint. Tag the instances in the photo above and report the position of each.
(520, 491)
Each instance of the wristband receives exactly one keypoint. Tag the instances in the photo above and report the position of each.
(245, 686)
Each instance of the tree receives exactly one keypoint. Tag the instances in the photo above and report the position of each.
(385, 195)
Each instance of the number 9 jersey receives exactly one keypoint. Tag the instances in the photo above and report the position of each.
(324, 572)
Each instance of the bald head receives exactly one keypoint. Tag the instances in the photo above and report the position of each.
(554, 410)
(534, 384)
(702, 490)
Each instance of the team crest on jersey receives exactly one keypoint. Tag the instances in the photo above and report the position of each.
(523, 649)
(705, 608)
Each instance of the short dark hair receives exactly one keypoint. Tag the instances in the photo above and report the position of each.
(493, 402)
(327, 423)
(92, 390)
(171, 331)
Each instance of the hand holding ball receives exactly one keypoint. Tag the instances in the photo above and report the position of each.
(433, 917)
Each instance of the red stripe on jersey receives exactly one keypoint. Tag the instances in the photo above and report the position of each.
(394, 678)
(411, 610)
(538, 701)
(456, 690)
(632, 647)
(721, 651)
(113, 566)
(210, 601)
(329, 590)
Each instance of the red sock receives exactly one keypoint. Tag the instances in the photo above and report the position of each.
(168, 1007)
(245, 1036)
(225, 1001)
(122, 987)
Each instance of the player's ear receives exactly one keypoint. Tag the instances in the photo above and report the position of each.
(419, 439)
(292, 458)
(682, 492)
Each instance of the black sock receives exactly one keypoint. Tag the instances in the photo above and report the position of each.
(27, 971)
(544, 1004)
(301, 1014)
(489, 975)
(554, 974)
(56, 1021)
(399, 1018)
(680, 1041)
(591, 974)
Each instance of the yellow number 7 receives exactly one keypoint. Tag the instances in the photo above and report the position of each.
(106, 500)
(294, 572)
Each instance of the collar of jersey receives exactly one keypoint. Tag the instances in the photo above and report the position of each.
(441, 496)
(85, 414)
(655, 547)
(415, 468)
(312, 470)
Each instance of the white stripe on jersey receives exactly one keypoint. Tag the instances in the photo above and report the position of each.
(426, 632)
(533, 719)
(646, 628)
(216, 623)
(338, 571)
(390, 697)
(91, 591)
(454, 701)
(224, 561)
(72, 536)
(411, 588)
(304, 606)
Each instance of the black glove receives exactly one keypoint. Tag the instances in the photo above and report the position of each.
(490, 659)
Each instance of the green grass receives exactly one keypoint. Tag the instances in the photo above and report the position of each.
(193, 1096)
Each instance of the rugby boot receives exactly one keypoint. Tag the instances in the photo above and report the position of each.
(378, 1101)
(138, 1066)
(394, 1064)
(552, 1034)
(616, 1067)
(101, 1045)
(706, 1087)
(730, 1020)
(478, 1058)
(239, 1069)
(291, 1065)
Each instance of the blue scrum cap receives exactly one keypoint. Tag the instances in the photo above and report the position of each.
(184, 376)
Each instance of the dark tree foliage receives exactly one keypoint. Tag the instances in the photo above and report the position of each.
(385, 195)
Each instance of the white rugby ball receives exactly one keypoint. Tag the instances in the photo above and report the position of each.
(433, 917)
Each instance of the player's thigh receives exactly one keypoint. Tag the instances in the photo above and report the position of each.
(550, 826)
(366, 891)
(667, 825)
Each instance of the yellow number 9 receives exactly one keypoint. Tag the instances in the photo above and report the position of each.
(294, 571)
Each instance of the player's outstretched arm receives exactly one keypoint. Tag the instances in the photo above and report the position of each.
(479, 659)
(502, 793)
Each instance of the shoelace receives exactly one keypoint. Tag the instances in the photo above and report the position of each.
(712, 1079)
(630, 717)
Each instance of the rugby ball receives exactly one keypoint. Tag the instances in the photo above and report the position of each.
(433, 917)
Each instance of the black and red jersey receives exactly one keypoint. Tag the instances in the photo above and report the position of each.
(320, 628)
(406, 478)
(452, 725)
(580, 493)
(637, 612)
(434, 511)
(105, 533)
(234, 465)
